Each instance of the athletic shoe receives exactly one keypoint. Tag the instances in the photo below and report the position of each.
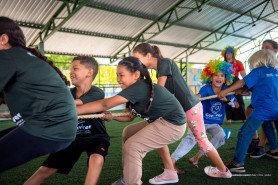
(236, 169)
(258, 152)
(272, 155)
(120, 181)
(167, 177)
(253, 145)
(214, 172)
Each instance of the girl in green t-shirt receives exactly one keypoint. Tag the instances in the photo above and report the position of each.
(164, 119)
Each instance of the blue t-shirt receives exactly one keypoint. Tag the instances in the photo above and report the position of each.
(264, 98)
(213, 109)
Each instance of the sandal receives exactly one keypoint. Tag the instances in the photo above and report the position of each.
(193, 162)
(179, 172)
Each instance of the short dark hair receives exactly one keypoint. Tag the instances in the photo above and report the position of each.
(272, 42)
(88, 62)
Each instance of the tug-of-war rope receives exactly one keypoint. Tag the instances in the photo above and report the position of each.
(91, 116)
(213, 96)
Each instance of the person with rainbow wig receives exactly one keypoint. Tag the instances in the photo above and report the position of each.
(229, 53)
(263, 80)
(216, 66)
(215, 76)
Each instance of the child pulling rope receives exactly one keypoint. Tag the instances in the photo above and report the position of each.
(90, 116)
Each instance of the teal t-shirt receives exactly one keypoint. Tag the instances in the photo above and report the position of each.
(176, 84)
(38, 99)
(90, 128)
(164, 103)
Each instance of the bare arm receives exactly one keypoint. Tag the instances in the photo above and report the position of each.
(242, 73)
(235, 86)
(101, 105)
(236, 105)
(78, 102)
(162, 80)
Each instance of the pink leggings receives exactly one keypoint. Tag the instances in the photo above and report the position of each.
(196, 124)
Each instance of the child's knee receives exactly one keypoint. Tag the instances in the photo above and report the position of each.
(46, 172)
(96, 159)
(220, 137)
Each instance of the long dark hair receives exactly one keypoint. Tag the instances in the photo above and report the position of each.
(134, 64)
(145, 48)
(17, 39)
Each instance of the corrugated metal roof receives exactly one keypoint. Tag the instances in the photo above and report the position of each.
(106, 28)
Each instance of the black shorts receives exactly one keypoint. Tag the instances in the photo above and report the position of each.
(64, 160)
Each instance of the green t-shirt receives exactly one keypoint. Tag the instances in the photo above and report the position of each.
(90, 128)
(164, 104)
(176, 84)
(38, 99)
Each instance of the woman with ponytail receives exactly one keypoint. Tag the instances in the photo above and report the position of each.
(38, 98)
(164, 119)
(169, 76)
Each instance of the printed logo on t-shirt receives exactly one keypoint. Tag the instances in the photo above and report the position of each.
(18, 119)
(83, 128)
(216, 107)
(215, 112)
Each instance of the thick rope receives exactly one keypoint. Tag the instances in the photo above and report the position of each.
(213, 96)
(91, 116)
(88, 116)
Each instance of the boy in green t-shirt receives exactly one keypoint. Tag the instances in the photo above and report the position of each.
(91, 133)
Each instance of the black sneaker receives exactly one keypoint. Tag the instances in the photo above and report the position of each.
(236, 169)
(272, 155)
(258, 152)
(253, 145)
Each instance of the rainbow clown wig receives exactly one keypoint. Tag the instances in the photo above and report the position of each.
(215, 66)
(230, 49)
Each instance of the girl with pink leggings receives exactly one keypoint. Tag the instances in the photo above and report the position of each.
(169, 76)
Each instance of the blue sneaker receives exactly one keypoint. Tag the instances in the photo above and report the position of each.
(258, 152)
(235, 168)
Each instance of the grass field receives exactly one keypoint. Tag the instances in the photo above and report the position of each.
(259, 171)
